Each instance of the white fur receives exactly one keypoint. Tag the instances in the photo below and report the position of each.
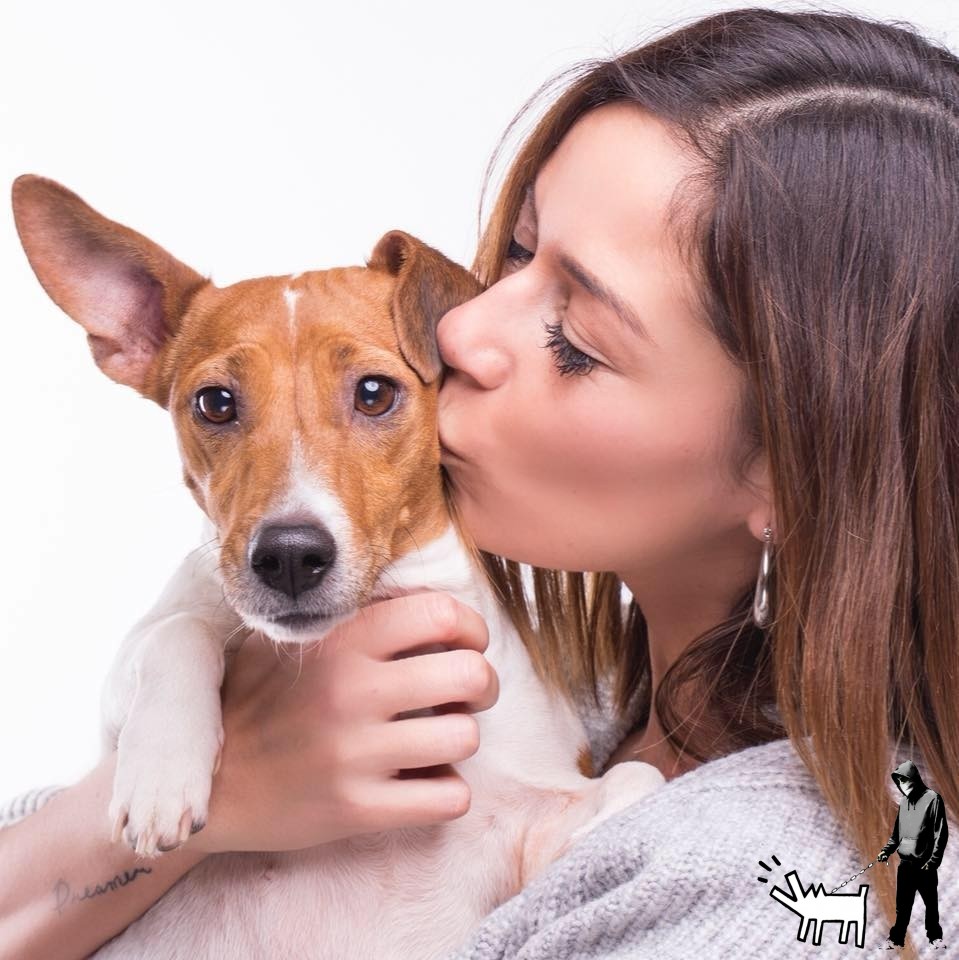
(306, 492)
(161, 706)
(409, 894)
(162, 712)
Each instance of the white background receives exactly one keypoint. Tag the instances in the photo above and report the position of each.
(247, 139)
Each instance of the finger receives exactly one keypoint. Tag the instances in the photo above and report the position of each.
(452, 677)
(423, 742)
(400, 625)
(420, 801)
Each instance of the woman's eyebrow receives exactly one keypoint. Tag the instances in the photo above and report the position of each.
(593, 285)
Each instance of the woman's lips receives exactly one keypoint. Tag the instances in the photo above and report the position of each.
(446, 452)
(447, 455)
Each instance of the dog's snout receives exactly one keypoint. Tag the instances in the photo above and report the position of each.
(292, 559)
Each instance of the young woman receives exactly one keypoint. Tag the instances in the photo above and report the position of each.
(717, 363)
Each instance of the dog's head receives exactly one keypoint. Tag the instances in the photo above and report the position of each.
(304, 407)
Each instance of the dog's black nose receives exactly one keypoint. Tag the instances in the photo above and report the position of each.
(292, 559)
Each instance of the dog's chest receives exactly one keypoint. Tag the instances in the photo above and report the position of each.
(406, 895)
(409, 894)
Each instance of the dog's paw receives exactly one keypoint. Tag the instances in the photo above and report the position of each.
(161, 789)
(621, 786)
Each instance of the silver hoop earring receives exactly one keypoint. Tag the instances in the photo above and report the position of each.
(761, 614)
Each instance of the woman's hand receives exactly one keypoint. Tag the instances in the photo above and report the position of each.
(313, 751)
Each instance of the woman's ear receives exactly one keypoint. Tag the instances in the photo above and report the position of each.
(763, 513)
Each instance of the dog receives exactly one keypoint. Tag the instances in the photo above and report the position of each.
(305, 413)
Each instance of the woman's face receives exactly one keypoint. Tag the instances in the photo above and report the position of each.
(623, 463)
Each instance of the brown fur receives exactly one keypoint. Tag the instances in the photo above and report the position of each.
(158, 326)
(242, 338)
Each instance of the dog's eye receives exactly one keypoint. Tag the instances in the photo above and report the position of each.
(216, 405)
(374, 395)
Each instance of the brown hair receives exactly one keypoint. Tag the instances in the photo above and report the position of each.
(822, 222)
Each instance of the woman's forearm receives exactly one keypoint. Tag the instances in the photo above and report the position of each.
(65, 887)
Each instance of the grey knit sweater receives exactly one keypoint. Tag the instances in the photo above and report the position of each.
(676, 875)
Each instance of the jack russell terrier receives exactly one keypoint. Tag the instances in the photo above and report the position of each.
(305, 413)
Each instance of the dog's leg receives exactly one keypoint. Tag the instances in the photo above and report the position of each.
(576, 813)
(161, 709)
(621, 786)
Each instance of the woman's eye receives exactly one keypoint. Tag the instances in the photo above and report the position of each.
(215, 404)
(516, 253)
(566, 357)
(374, 396)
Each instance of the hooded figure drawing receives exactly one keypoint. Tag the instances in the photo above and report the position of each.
(919, 837)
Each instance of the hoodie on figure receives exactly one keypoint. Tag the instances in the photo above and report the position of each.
(920, 833)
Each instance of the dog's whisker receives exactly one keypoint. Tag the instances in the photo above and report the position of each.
(389, 578)
(409, 533)
(205, 548)
(235, 632)
(208, 545)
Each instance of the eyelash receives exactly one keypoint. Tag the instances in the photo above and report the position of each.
(567, 358)
(516, 253)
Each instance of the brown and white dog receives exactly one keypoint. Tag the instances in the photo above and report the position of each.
(305, 412)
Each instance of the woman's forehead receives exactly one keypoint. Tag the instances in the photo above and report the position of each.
(619, 154)
(610, 194)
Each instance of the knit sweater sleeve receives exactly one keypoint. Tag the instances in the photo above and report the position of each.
(689, 871)
(26, 803)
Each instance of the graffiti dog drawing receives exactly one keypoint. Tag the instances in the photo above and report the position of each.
(817, 907)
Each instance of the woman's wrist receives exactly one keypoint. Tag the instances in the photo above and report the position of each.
(65, 886)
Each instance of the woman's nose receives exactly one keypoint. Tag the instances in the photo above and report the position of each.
(471, 343)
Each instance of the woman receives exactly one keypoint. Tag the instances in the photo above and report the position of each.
(738, 247)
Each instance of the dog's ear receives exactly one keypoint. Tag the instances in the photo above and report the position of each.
(427, 285)
(128, 293)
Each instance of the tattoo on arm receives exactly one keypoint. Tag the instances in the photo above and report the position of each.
(64, 895)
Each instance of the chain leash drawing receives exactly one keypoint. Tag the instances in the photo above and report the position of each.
(861, 872)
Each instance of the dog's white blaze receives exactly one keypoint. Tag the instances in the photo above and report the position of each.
(307, 494)
(291, 296)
